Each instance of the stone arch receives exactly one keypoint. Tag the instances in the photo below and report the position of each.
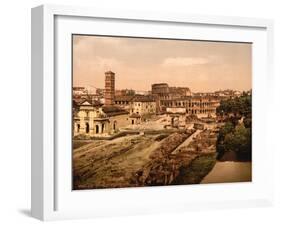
(102, 128)
(114, 125)
(87, 127)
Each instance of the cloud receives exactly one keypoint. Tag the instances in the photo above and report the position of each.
(107, 63)
(185, 61)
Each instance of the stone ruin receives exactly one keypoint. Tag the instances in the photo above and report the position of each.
(165, 164)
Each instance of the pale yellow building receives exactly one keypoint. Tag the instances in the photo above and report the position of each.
(92, 119)
(143, 105)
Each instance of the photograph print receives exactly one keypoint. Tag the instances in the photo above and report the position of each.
(159, 112)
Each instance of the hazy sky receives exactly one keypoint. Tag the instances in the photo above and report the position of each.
(138, 63)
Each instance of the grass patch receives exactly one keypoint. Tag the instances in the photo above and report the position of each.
(77, 144)
(196, 170)
(161, 137)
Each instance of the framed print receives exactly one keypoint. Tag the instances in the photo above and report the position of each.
(137, 112)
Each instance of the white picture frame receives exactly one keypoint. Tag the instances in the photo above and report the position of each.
(52, 197)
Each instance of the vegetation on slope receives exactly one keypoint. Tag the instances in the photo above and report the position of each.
(236, 135)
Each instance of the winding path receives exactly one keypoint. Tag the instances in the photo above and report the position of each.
(187, 141)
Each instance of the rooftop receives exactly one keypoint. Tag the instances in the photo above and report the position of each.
(109, 72)
(143, 98)
(124, 98)
(134, 115)
(113, 110)
(160, 84)
(80, 102)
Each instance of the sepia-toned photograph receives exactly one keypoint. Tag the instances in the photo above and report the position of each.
(159, 112)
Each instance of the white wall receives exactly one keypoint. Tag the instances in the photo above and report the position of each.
(15, 102)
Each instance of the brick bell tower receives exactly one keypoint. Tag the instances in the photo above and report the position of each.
(109, 88)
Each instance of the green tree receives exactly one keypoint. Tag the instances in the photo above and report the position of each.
(238, 140)
(241, 106)
(234, 136)
(226, 129)
(248, 122)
